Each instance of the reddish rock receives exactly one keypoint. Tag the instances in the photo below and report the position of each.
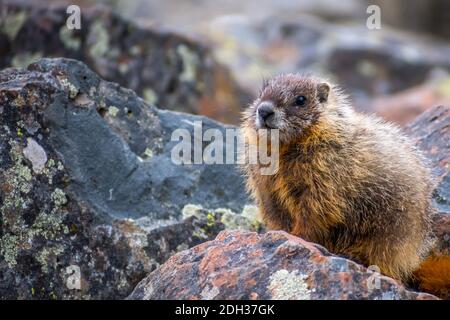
(441, 228)
(431, 130)
(274, 265)
(406, 105)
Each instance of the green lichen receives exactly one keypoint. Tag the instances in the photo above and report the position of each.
(18, 178)
(70, 87)
(12, 23)
(47, 256)
(60, 166)
(210, 219)
(51, 169)
(285, 285)
(190, 210)
(69, 39)
(150, 96)
(9, 249)
(58, 197)
(113, 111)
(231, 220)
(48, 225)
(100, 39)
(199, 233)
(190, 62)
(17, 234)
(251, 213)
(148, 153)
(23, 59)
(50, 163)
(248, 220)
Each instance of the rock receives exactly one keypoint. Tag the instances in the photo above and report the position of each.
(404, 106)
(431, 131)
(87, 183)
(366, 63)
(274, 265)
(441, 229)
(167, 69)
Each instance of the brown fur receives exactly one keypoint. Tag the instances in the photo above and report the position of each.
(350, 182)
(433, 276)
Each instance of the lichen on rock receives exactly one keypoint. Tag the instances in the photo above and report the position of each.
(285, 285)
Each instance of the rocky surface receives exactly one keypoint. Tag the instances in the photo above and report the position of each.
(431, 130)
(432, 133)
(403, 107)
(165, 68)
(274, 265)
(86, 180)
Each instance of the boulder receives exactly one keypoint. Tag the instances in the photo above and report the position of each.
(276, 265)
(88, 189)
(273, 265)
(432, 133)
(406, 105)
(166, 68)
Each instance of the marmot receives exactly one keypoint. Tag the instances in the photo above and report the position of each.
(348, 181)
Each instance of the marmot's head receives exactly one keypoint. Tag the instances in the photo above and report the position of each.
(291, 103)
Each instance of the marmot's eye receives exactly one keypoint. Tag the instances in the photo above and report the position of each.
(300, 100)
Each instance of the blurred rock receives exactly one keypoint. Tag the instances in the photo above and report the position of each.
(87, 181)
(365, 63)
(404, 106)
(167, 69)
(274, 265)
(432, 133)
(431, 16)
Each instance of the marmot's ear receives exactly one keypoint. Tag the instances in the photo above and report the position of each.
(323, 89)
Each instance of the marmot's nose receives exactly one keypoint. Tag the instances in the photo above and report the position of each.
(265, 110)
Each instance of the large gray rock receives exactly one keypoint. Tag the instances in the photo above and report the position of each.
(167, 69)
(86, 179)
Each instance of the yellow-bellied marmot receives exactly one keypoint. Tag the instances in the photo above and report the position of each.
(350, 182)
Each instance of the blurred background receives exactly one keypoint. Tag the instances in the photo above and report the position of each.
(210, 57)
